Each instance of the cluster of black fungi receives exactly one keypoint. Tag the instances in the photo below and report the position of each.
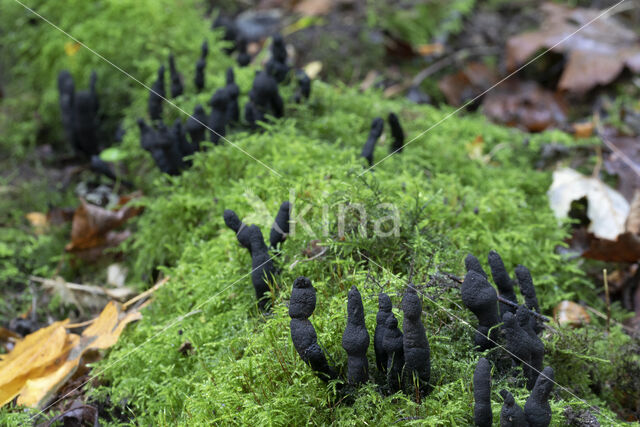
(403, 357)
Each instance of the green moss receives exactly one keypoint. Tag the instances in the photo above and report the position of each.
(452, 198)
(244, 369)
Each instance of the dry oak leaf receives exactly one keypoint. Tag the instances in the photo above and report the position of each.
(596, 54)
(93, 226)
(525, 104)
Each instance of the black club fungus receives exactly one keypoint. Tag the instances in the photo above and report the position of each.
(417, 354)
(480, 297)
(377, 125)
(482, 415)
(355, 340)
(384, 311)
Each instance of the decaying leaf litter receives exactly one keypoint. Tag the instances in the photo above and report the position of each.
(538, 107)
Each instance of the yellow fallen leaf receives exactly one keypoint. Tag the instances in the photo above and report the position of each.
(109, 325)
(38, 221)
(37, 390)
(71, 48)
(35, 350)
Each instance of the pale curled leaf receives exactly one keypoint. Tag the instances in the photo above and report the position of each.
(607, 210)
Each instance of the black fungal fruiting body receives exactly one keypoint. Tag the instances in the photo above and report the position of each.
(79, 111)
(392, 344)
(355, 340)
(303, 334)
(178, 134)
(195, 126)
(156, 96)
(242, 231)
(377, 125)
(200, 67)
(518, 344)
(511, 415)
(384, 311)
(536, 346)
(243, 55)
(416, 349)
(218, 116)
(304, 86)
(503, 282)
(481, 298)
(176, 82)
(397, 133)
(471, 263)
(233, 91)
(262, 268)
(264, 98)
(537, 409)
(482, 415)
(85, 120)
(230, 31)
(528, 291)
(67, 91)
(280, 228)
(277, 64)
(162, 146)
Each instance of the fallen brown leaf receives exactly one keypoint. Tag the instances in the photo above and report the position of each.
(624, 160)
(525, 104)
(467, 83)
(595, 55)
(568, 313)
(314, 7)
(583, 130)
(93, 226)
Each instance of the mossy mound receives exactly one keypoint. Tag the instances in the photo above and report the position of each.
(463, 186)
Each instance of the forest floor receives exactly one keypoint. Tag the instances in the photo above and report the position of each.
(491, 144)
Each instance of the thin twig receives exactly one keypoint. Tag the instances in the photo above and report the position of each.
(606, 298)
(451, 59)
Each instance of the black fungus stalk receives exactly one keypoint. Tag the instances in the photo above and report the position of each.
(503, 282)
(196, 128)
(355, 340)
(233, 91)
(377, 125)
(156, 96)
(199, 79)
(218, 117)
(417, 354)
(528, 291)
(397, 133)
(480, 297)
(232, 221)
(511, 415)
(471, 263)
(384, 312)
(537, 409)
(280, 228)
(303, 334)
(482, 415)
(303, 90)
(176, 81)
(264, 98)
(392, 344)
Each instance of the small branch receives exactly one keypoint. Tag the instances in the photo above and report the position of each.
(607, 299)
